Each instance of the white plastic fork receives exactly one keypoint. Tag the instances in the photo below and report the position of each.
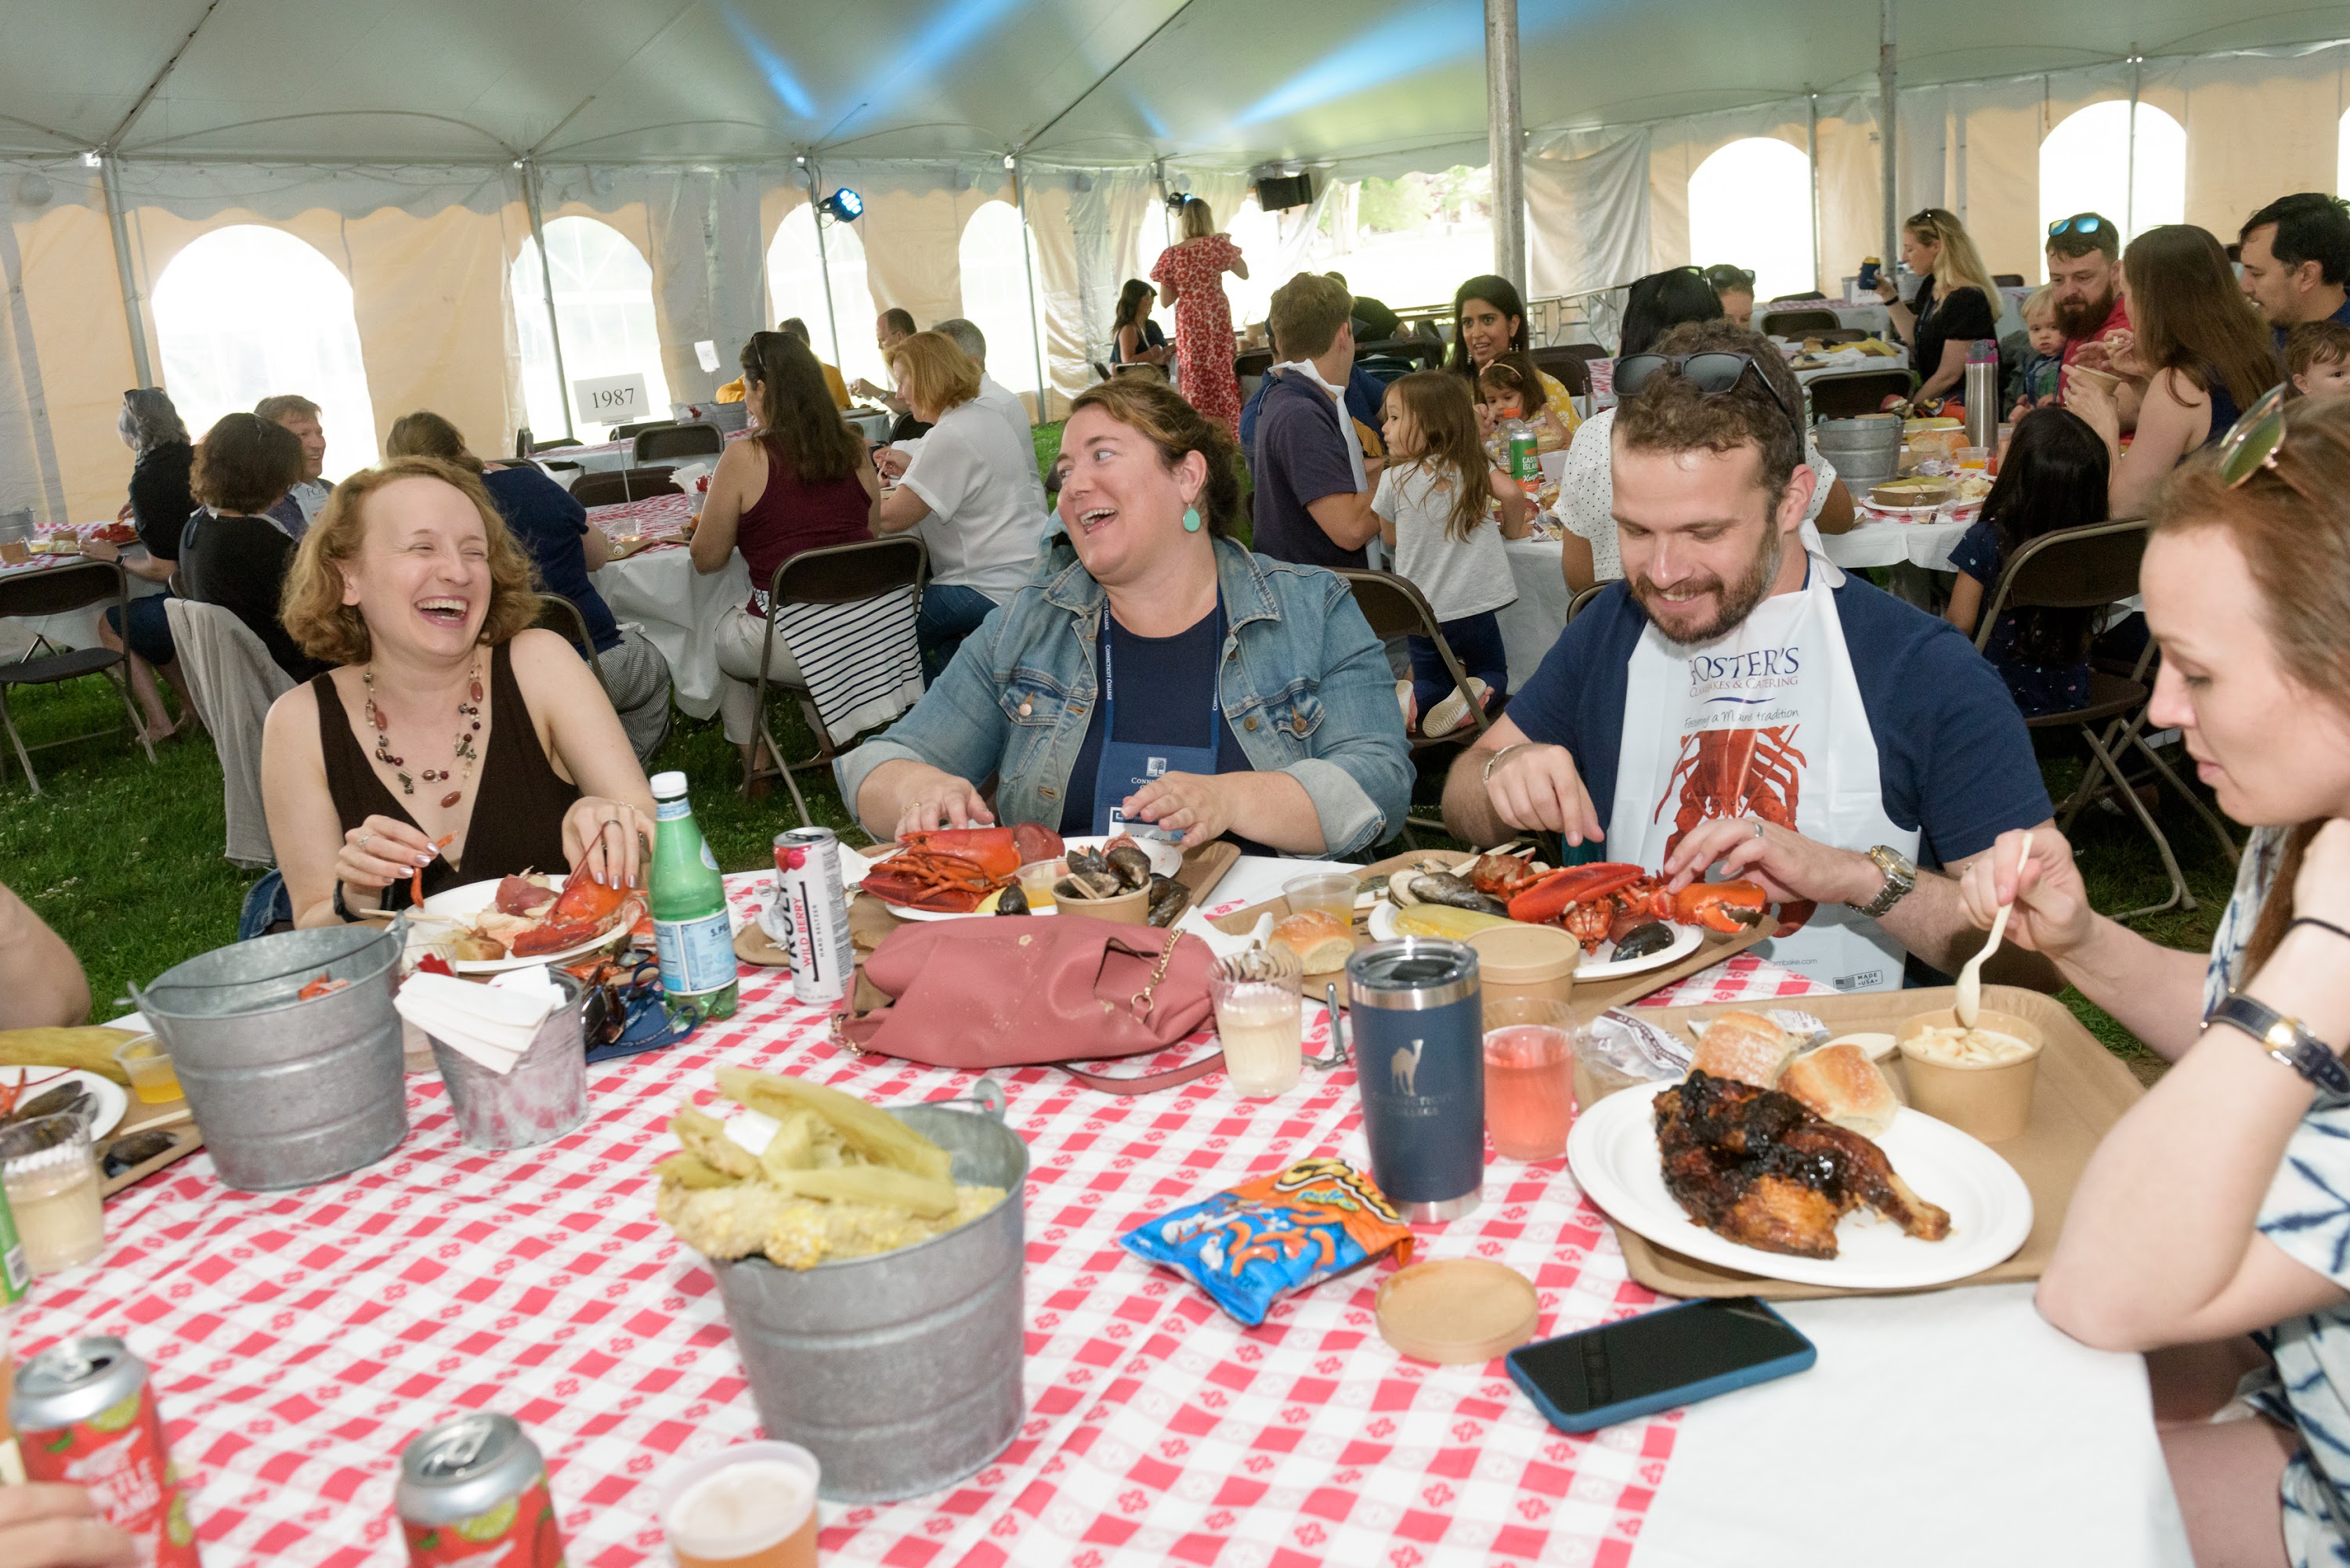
(1968, 1006)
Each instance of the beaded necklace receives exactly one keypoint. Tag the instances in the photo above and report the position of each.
(462, 754)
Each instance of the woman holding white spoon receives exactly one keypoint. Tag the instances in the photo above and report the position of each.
(2219, 1205)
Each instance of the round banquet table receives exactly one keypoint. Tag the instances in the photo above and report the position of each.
(658, 588)
(298, 1340)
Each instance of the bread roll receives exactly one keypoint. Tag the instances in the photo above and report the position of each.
(1319, 938)
(1840, 1084)
(1745, 1046)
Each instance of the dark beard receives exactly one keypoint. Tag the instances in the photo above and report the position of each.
(1737, 603)
(2079, 318)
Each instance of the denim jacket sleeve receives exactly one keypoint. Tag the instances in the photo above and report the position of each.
(958, 726)
(1359, 777)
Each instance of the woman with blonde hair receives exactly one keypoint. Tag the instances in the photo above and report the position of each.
(2215, 1208)
(1191, 277)
(1956, 305)
(453, 740)
(970, 488)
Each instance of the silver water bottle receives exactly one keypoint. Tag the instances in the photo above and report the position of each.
(1981, 394)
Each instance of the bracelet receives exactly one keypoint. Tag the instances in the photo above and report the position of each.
(2321, 925)
(1486, 778)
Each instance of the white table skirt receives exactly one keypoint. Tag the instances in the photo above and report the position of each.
(678, 607)
(1530, 626)
(1926, 544)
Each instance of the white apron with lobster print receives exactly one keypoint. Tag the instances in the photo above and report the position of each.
(1766, 721)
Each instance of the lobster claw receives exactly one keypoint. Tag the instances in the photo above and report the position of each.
(1550, 896)
(1725, 906)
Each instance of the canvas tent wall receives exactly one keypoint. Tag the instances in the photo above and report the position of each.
(389, 135)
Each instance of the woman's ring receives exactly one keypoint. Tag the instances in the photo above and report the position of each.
(364, 839)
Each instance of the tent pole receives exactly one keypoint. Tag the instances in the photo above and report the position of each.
(2129, 195)
(1036, 325)
(1887, 126)
(823, 264)
(133, 316)
(546, 284)
(1812, 156)
(1505, 140)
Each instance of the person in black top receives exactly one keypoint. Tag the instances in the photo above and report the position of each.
(1956, 305)
(1135, 339)
(1374, 322)
(158, 507)
(565, 547)
(230, 554)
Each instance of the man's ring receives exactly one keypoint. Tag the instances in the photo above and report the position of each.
(1758, 826)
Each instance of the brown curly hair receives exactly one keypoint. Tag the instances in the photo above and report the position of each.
(313, 610)
(1158, 411)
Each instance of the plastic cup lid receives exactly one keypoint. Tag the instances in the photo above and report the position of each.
(1457, 1310)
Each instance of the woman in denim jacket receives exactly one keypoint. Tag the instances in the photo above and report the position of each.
(1223, 694)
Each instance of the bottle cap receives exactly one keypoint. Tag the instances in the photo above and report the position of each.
(669, 785)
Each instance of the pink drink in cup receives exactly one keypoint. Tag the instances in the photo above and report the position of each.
(1529, 1078)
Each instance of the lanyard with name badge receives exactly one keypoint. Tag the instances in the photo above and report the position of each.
(1126, 765)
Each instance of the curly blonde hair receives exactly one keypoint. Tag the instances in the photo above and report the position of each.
(313, 610)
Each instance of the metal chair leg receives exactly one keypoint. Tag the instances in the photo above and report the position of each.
(24, 758)
(2180, 896)
(791, 780)
(2211, 819)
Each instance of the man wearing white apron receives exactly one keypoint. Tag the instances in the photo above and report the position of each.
(1739, 705)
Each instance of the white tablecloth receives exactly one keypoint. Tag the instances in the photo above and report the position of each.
(1868, 316)
(1846, 361)
(1886, 544)
(677, 606)
(1530, 626)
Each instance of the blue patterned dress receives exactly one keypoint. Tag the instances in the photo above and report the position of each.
(2307, 1214)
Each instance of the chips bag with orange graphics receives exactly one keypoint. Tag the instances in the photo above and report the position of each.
(1252, 1244)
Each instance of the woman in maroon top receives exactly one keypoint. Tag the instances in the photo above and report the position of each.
(807, 481)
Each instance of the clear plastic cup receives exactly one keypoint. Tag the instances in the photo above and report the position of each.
(149, 1067)
(750, 1506)
(1036, 879)
(1332, 892)
(1529, 1076)
(1975, 458)
(51, 1180)
(1260, 1015)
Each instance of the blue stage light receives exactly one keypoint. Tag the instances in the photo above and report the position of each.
(845, 206)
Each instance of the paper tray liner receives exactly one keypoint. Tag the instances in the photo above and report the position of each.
(1588, 998)
(2082, 1090)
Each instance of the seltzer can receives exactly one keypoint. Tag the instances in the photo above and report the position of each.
(85, 1412)
(1525, 462)
(474, 1489)
(810, 898)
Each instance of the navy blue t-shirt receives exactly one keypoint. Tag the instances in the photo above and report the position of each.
(1953, 759)
(1164, 687)
(1300, 457)
(550, 524)
(2280, 333)
(2037, 687)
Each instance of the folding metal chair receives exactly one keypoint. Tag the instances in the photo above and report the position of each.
(623, 484)
(835, 574)
(1797, 323)
(1848, 394)
(54, 590)
(1570, 367)
(2093, 568)
(1582, 601)
(1396, 608)
(631, 433)
(678, 443)
(557, 614)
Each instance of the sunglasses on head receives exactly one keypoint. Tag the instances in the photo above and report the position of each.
(2078, 224)
(1715, 371)
(1726, 277)
(2252, 443)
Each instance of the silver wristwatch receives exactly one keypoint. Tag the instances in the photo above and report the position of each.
(1900, 877)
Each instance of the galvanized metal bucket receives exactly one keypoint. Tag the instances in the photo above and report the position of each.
(901, 1371)
(540, 1098)
(288, 1093)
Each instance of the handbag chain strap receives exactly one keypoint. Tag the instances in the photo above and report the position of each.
(1141, 1000)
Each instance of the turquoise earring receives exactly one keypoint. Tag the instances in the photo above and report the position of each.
(1190, 520)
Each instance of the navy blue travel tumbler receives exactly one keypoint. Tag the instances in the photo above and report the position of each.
(1413, 1008)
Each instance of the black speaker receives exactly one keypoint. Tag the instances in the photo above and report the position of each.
(1276, 194)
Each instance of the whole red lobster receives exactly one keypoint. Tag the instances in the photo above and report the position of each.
(951, 869)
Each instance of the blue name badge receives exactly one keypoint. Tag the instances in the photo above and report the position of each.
(1135, 827)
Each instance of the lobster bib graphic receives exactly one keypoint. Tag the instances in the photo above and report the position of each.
(1766, 721)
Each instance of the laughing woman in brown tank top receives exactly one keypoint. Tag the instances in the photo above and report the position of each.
(448, 719)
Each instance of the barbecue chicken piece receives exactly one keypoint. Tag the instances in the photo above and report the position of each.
(1755, 1166)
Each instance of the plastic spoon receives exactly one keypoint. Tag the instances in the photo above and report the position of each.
(1968, 1006)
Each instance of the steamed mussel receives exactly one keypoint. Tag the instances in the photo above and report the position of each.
(1012, 900)
(1130, 863)
(1169, 900)
(66, 1099)
(1642, 941)
(129, 1153)
(1444, 887)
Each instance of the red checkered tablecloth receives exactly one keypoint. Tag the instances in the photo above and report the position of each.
(298, 1340)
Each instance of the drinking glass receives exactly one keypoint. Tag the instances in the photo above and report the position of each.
(51, 1180)
(1529, 1076)
(750, 1506)
(1260, 1015)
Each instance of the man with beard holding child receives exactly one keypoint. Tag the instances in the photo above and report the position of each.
(1739, 702)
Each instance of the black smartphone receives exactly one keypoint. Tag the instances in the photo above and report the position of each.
(1655, 1361)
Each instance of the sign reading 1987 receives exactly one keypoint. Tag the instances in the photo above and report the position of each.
(610, 399)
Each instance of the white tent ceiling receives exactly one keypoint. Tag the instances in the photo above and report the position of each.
(1228, 82)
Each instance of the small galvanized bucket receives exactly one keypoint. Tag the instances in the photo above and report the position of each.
(543, 1096)
(287, 1092)
(901, 1371)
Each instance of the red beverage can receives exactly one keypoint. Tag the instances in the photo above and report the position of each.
(474, 1489)
(85, 1412)
(811, 901)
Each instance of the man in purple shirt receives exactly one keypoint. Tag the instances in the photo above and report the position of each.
(1313, 503)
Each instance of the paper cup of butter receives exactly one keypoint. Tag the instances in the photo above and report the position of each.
(1978, 1080)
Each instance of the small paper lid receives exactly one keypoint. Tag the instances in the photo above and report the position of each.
(1525, 955)
(1457, 1310)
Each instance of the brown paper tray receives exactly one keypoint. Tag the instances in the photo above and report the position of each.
(1587, 999)
(2082, 1090)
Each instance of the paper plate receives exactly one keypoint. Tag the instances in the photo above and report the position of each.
(110, 1099)
(1614, 1154)
(1686, 941)
(464, 903)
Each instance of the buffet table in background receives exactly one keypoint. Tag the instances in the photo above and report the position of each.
(299, 1339)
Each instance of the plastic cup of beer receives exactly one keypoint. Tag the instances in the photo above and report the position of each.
(1332, 892)
(1529, 1076)
(149, 1067)
(1036, 879)
(750, 1506)
(1974, 458)
(1260, 1015)
(51, 1180)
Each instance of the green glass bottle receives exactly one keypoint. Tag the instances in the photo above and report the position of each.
(689, 905)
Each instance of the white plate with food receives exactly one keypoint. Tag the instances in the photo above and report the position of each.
(1616, 1156)
(472, 909)
(1166, 859)
(1686, 941)
(107, 1100)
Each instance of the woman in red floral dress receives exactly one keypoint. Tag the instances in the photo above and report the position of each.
(1190, 275)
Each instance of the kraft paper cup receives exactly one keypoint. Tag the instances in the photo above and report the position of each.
(1991, 1102)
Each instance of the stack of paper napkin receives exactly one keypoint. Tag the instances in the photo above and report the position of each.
(493, 1024)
